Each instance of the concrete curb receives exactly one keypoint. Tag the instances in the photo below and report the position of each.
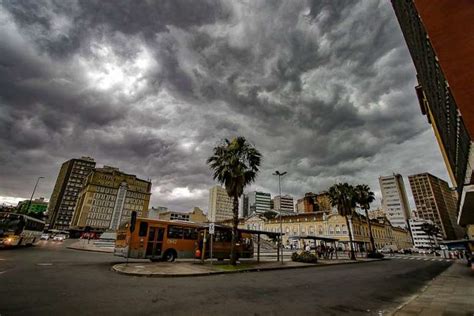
(90, 250)
(171, 275)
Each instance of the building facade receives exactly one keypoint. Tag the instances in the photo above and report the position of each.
(312, 202)
(436, 202)
(333, 226)
(421, 240)
(395, 200)
(257, 202)
(36, 205)
(283, 203)
(196, 216)
(220, 205)
(66, 191)
(108, 198)
(440, 38)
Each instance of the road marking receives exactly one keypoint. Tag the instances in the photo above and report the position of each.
(44, 264)
(2, 272)
(426, 259)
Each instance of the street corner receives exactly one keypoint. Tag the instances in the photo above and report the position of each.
(188, 269)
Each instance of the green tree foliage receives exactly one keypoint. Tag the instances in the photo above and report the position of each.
(235, 164)
(342, 196)
(364, 197)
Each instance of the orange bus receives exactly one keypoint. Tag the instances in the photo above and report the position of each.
(157, 240)
(160, 240)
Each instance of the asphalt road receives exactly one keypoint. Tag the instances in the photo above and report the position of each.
(49, 279)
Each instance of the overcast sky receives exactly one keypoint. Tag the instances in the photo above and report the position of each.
(324, 89)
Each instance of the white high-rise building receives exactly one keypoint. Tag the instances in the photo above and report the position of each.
(395, 201)
(256, 202)
(220, 205)
(421, 240)
(284, 203)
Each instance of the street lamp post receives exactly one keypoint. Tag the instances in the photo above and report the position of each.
(33, 193)
(280, 174)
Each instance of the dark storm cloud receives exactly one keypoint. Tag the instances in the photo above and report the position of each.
(324, 89)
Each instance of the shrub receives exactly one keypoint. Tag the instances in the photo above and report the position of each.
(305, 256)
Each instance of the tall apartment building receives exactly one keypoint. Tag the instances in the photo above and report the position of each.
(421, 240)
(283, 203)
(395, 201)
(220, 205)
(66, 191)
(436, 202)
(440, 37)
(108, 198)
(257, 202)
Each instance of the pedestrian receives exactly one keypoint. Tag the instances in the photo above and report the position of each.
(308, 248)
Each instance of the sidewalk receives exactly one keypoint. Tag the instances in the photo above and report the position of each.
(191, 268)
(450, 293)
(84, 245)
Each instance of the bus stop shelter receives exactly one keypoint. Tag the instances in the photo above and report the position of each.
(258, 233)
(273, 235)
(329, 240)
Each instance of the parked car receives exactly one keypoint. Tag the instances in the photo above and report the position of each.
(45, 236)
(59, 237)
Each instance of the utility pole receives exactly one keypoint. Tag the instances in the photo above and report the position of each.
(33, 193)
(280, 243)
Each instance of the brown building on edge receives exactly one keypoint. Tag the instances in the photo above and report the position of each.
(436, 202)
(440, 37)
(66, 190)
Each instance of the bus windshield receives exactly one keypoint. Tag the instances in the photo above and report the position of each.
(10, 223)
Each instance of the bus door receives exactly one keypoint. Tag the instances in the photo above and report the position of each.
(155, 241)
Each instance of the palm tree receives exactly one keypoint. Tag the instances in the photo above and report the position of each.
(342, 196)
(235, 165)
(431, 230)
(364, 197)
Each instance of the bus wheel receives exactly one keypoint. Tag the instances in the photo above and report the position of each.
(170, 255)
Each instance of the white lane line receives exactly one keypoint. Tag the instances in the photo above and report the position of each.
(412, 258)
(426, 259)
(44, 264)
(2, 272)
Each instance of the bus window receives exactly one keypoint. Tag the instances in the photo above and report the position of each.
(175, 232)
(143, 229)
(190, 233)
(223, 235)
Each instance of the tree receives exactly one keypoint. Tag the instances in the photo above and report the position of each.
(342, 196)
(235, 164)
(364, 197)
(270, 214)
(431, 230)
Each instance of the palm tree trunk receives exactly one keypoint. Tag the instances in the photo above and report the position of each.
(235, 224)
(350, 238)
(372, 242)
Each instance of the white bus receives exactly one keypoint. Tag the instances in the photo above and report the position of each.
(19, 229)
